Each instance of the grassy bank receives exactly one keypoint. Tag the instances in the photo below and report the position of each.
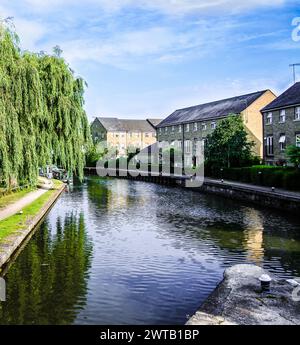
(13, 197)
(20, 222)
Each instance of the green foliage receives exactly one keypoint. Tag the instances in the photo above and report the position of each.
(228, 145)
(293, 154)
(269, 176)
(42, 120)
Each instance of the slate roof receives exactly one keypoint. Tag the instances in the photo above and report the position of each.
(289, 98)
(154, 122)
(213, 110)
(113, 124)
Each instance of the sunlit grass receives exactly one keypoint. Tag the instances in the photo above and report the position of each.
(13, 197)
(19, 222)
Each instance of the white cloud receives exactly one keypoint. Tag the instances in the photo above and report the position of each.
(177, 7)
(163, 101)
(160, 44)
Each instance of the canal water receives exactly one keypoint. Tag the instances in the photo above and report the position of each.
(125, 252)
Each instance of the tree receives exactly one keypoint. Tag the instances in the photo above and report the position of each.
(42, 120)
(293, 154)
(228, 145)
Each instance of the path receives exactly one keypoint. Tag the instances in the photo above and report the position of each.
(16, 207)
(252, 187)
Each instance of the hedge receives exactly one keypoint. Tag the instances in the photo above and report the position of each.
(279, 177)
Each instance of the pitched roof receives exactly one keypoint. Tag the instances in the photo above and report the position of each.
(289, 98)
(213, 110)
(114, 124)
(154, 122)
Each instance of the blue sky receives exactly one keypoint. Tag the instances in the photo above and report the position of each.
(146, 58)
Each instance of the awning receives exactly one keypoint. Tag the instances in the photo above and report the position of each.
(282, 139)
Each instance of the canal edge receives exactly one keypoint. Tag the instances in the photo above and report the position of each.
(8, 250)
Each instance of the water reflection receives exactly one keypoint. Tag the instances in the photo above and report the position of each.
(48, 285)
(158, 252)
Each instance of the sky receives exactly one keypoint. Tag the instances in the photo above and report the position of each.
(147, 58)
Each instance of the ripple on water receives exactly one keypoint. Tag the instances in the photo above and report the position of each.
(125, 252)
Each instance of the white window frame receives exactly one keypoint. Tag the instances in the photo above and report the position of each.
(297, 114)
(213, 125)
(270, 144)
(187, 128)
(282, 116)
(187, 147)
(204, 126)
(269, 119)
(282, 143)
(173, 128)
(179, 128)
(195, 127)
(166, 129)
(297, 139)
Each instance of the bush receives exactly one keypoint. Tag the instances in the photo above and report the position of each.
(269, 176)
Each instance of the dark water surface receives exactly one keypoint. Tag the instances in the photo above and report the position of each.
(125, 252)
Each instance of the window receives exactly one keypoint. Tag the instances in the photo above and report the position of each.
(213, 125)
(187, 128)
(269, 119)
(204, 126)
(298, 139)
(297, 114)
(187, 146)
(173, 128)
(270, 147)
(282, 116)
(179, 128)
(179, 144)
(160, 130)
(166, 129)
(147, 135)
(282, 142)
(195, 127)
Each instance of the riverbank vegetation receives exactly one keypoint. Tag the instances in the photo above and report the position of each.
(12, 197)
(228, 145)
(269, 176)
(19, 222)
(42, 120)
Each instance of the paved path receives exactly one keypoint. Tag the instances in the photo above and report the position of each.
(276, 192)
(20, 204)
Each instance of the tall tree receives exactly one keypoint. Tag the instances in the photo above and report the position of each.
(42, 120)
(228, 145)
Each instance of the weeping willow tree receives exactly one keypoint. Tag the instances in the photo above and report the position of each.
(42, 120)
